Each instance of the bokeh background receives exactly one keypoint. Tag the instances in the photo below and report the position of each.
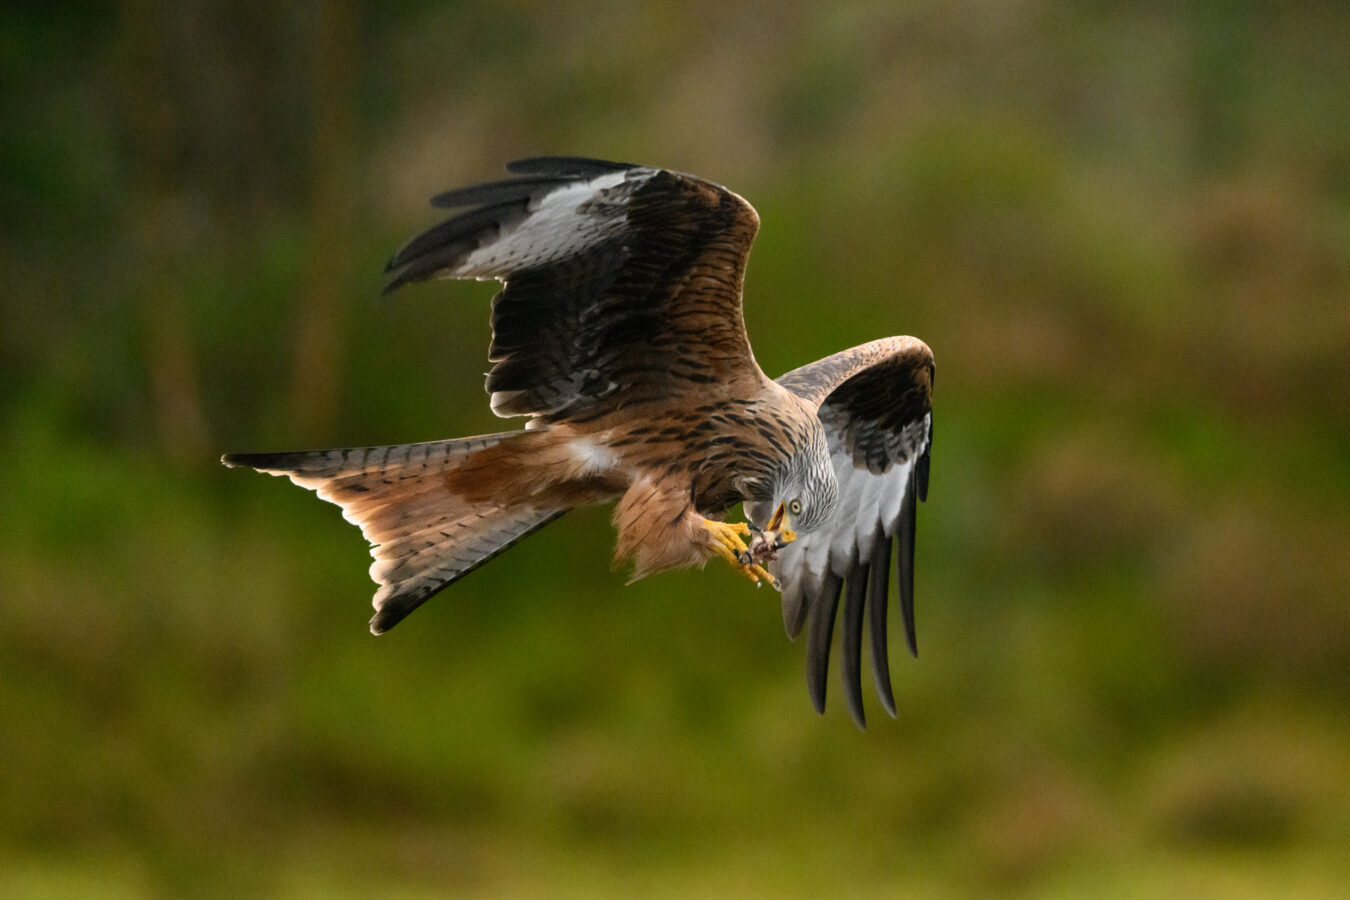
(1123, 228)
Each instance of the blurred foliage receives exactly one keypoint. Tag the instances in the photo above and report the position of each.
(1125, 231)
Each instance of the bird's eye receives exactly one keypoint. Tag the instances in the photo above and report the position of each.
(795, 507)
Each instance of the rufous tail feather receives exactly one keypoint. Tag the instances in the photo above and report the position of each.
(424, 535)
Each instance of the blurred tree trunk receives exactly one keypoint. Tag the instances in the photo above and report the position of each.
(320, 317)
(159, 232)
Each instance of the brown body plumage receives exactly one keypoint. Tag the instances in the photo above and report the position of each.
(619, 334)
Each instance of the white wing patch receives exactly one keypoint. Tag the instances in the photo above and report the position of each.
(868, 509)
(559, 224)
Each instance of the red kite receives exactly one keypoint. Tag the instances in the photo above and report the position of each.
(618, 333)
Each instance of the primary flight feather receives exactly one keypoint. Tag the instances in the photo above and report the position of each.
(618, 333)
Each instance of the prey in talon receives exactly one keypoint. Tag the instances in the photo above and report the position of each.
(763, 546)
(767, 541)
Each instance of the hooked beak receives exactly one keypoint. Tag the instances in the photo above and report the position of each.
(781, 524)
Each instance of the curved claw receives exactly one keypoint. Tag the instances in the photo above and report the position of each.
(727, 544)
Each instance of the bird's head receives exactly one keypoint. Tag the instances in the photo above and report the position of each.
(802, 495)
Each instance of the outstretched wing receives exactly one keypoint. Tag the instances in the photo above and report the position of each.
(875, 403)
(622, 283)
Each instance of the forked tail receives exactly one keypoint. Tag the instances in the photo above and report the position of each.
(424, 535)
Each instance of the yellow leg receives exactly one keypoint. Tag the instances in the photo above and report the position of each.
(727, 544)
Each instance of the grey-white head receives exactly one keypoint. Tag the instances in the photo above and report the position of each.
(803, 492)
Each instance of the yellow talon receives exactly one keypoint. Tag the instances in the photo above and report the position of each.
(728, 534)
(727, 544)
(757, 573)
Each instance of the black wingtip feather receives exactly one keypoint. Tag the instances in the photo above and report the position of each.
(575, 166)
(464, 228)
(904, 567)
(877, 607)
(447, 244)
(823, 609)
(851, 643)
(492, 192)
(921, 468)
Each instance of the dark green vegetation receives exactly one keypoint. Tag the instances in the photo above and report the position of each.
(1124, 231)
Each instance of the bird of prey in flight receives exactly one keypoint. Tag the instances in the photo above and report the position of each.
(618, 333)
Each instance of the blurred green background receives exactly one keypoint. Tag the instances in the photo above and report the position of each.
(1123, 228)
